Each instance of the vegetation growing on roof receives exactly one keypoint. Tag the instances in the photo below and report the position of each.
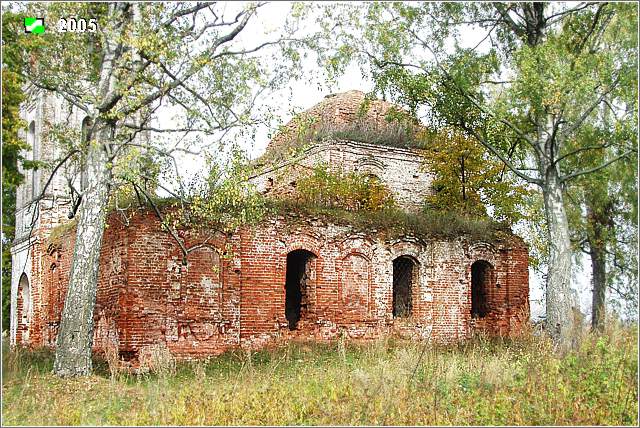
(399, 129)
(352, 191)
(395, 222)
(225, 200)
(358, 200)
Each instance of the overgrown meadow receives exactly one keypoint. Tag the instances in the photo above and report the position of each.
(384, 382)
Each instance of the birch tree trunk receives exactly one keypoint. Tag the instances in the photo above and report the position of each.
(560, 302)
(75, 336)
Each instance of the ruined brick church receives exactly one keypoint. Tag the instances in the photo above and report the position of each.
(287, 277)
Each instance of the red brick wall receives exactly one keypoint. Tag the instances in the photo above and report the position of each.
(231, 291)
(53, 260)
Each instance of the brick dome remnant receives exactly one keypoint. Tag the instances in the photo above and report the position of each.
(349, 132)
(350, 116)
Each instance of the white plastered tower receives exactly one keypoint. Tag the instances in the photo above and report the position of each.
(41, 204)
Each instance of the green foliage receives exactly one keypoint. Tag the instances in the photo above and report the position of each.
(389, 381)
(468, 179)
(609, 197)
(12, 145)
(537, 76)
(224, 200)
(349, 190)
(191, 58)
(395, 222)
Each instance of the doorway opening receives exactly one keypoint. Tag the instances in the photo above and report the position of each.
(297, 286)
(481, 276)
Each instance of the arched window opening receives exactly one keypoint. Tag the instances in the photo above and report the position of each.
(35, 154)
(481, 278)
(405, 273)
(23, 309)
(297, 286)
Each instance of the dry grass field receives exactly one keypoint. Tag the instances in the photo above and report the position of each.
(385, 382)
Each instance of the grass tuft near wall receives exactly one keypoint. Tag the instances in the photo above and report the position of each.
(385, 382)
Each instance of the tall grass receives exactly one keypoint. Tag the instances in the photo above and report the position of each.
(384, 382)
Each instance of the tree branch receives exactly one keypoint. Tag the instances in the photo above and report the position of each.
(194, 69)
(597, 168)
(569, 130)
(173, 234)
(581, 149)
(552, 19)
(506, 161)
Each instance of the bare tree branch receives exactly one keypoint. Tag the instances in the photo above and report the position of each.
(172, 232)
(552, 19)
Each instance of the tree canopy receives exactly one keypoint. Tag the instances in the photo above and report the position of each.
(525, 88)
(196, 60)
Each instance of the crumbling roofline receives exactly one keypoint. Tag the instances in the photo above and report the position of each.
(325, 144)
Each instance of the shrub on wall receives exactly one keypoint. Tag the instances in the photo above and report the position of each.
(349, 190)
(224, 199)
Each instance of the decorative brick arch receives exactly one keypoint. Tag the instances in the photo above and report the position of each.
(23, 310)
(484, 251)
(408, 247)
(356, 243)
(370, 165)
(301, 241)
(355, 286)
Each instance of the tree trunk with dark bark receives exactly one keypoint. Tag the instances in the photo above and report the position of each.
(597, 250)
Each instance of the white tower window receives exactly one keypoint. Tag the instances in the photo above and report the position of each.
(31, 140)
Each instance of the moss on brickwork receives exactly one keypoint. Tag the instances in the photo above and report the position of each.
(58, 232)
